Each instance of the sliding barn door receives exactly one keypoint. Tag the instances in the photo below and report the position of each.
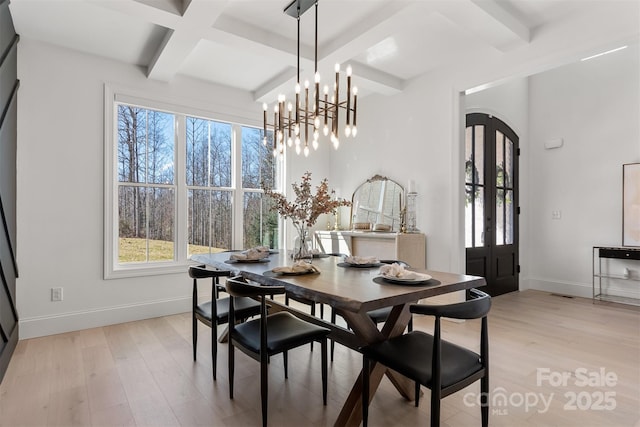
(8, 144)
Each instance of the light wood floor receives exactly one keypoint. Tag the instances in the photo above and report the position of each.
(142, 374)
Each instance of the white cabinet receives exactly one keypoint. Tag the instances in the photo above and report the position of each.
(408, 247)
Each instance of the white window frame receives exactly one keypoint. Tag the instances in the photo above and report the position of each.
(115, 270)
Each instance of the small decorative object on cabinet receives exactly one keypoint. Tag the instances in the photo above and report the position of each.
(614, 277)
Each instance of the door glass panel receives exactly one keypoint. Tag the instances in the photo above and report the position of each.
(474, 217)
(479, 153)
(479, 218)
(509, 216)
(468, 217)
(508, 183)
(500, 216)
(499, 159)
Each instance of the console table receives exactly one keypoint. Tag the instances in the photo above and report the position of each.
(611, 272)
(408, 247)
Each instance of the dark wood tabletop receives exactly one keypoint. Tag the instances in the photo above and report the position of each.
(344, 288)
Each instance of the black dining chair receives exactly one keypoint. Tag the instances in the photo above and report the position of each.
(439, 365)
(269, 335)
(379, 315)
(216, 314)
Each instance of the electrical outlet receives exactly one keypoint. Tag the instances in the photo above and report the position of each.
(557, 214)
(56, 294)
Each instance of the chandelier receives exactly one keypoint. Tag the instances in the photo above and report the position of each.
(312, 112)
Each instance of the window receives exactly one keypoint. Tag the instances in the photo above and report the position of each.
(146, 185)
(177, 184)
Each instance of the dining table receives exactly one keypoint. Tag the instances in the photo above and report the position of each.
(352, 290)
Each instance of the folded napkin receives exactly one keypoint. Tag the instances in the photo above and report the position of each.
(251, 254)
(297, 267)
(397, 271)
(361, 260)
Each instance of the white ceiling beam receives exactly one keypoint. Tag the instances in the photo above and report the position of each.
(488, 21)
(141, 11)
(196, 21)
(269, 91)
(375, 80)
(505, 18)
(369, 31)
(237, 34)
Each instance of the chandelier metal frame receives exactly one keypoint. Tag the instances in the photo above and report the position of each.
(322, 112)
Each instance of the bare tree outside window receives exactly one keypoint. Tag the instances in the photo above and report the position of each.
(217, 184)
(146, 195)
(258, 165)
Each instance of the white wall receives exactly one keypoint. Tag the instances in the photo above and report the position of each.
(60, 187)
(417, 134)
(595, 107)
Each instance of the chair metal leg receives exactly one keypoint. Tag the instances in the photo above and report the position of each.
(231, 370)
(264, 390)
(417, 394)
(365, 391)
(285, 358)
(410, 326)
(484, 401)
(313, 313)
(333, 343)
(435, 407)
(194, 334)
(324, 371)
(214, 349)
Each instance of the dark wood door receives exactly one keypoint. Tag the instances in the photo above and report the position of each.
(491, 202)
(8, 144)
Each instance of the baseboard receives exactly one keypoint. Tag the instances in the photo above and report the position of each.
(74, 321)
(575, 289)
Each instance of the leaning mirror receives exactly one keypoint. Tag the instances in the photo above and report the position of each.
(376, 205)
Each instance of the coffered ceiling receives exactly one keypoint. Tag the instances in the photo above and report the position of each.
(252, 44)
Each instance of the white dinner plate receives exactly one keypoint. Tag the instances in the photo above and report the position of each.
(418, 278)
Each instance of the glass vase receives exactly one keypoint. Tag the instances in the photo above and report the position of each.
(302, 245)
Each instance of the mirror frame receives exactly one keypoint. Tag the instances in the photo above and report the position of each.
(354, 205)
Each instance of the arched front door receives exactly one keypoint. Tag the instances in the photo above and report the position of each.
(491, 202)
